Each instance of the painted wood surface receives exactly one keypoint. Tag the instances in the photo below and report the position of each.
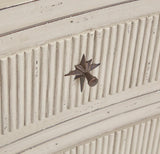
(41, 110)
(34, 86)
(5, 4)
(45, 11)
(75, 25)
(140, 138)
(88, 126)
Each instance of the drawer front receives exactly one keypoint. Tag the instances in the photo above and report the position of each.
(33, 86)
(140, 138)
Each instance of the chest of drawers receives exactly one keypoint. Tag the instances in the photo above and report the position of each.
(43, 112)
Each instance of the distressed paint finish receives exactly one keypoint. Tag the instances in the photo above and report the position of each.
(36, 98)
(123, 141)
(39, 13)
(81, 128)
(127, 61)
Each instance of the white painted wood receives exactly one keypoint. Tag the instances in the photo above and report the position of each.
(96, 58)
(44, 81)
(35, 83)
(68, 115)
(151, 49)
(105, 144)
(44, 11)
(146, 137)
(13, 92)
(20, 90)
(128, 140)
(147, 32)
(41, 110)
(156, 137)
(91, 124)
(91, 20)
(111, 143)
(134, 139)
(47, 95)
(28, 89)
(123, 141)
(89, 53)
(117, 59)
(151, 136)
(51, 79)
(109, 60)
(140, 138)
(106, 135)
(50, 144)
(5, 122)
(124, 56)
(93, 147)
(10, 3)
(102, 82)
(117, 143)
(99, 145)
(137, 52)
(154, 73)
(59, 75)
(130, 57)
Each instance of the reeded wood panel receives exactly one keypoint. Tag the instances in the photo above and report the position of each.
(142, 138)
(33, 86)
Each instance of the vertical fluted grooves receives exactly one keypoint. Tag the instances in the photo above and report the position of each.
(33, 86)
(136, 139)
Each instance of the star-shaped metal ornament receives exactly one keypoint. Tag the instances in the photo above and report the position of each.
(82, 71)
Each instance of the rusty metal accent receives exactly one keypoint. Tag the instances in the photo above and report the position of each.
(82, 71)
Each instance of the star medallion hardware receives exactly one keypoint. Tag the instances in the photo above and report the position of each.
(82, 71)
